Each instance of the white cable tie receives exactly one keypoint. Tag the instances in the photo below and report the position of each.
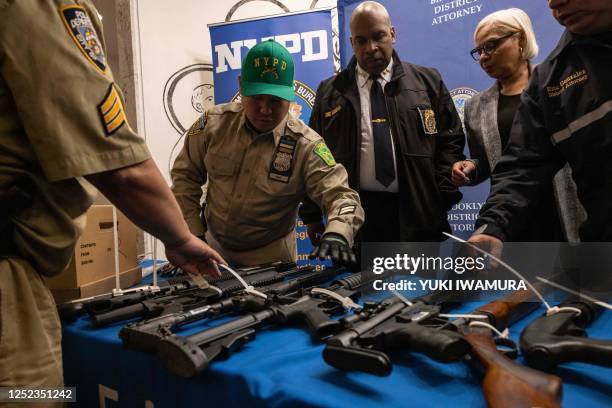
(503, 335)
(255, 292)
(347, 302)
(247, 288)
(573, 292)
(464, 316)
(511, 269)
(401, 297)
(557, 309)
(219, 291)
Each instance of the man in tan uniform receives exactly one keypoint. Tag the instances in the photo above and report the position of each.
(260, 163)
(63, 128)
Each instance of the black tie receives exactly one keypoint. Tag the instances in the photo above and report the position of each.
(383, 154)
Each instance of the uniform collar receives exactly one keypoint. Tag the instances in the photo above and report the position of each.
(276, 133)
(363, 76)
(569, 38)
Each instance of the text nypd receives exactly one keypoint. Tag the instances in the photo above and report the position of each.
(311, 45)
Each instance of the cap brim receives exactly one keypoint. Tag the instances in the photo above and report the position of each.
(259, 88)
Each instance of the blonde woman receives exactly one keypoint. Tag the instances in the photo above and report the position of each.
(505, 45)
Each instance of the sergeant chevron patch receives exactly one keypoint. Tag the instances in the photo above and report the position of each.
(349, 209)
(111, 111)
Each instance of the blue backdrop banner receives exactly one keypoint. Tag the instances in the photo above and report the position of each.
(307, 36)
(439, 34)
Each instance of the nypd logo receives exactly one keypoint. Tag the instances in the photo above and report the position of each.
(311, 45)
(84, 35)
(460, 96)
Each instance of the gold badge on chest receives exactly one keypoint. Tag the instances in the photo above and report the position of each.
(281, 167)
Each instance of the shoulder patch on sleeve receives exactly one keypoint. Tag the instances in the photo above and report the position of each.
(81, 30)
(111, 111)
(324, 153)
(199, 125)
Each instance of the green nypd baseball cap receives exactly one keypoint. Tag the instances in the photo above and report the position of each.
(268, 70)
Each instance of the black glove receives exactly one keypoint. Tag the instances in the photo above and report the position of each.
(335, 247)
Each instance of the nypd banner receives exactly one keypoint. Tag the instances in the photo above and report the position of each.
(439, 34)
(307, 36)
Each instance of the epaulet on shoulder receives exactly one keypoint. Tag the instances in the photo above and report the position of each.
(300, 129)
(225, 107)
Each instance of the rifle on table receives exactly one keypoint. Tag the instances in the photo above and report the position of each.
(191, 297)
(394, 324)
(71, 310)
(145, 335)
(102, 307)
(507, 383)
(561, 337)
(187, 356)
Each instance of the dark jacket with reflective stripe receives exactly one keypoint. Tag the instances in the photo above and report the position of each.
(565, 116)
(423, 160)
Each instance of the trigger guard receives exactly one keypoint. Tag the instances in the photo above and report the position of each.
(512, 353)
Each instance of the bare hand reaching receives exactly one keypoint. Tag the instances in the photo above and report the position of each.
(195, 257)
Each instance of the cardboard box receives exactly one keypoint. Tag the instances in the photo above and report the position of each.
(92, 268)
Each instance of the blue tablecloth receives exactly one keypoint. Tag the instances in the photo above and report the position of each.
(283, 367)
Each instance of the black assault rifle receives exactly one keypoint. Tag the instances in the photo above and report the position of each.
(190, 355)
(145, 335)
(190, 297)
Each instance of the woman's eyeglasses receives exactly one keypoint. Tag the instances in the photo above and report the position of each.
(489, 47)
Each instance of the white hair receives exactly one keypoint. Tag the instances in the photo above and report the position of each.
(512, 20)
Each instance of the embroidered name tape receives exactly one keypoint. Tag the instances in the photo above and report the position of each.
(111, 111)
(84, 35)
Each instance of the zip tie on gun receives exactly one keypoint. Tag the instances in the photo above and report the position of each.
(573, 292)
(503, 335)
(557, 309)
(477, 323)
(508, 267)
(219, 291)
(401, 297)
(347, 302)
(247, 288)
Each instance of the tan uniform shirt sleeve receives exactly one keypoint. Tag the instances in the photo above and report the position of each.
(327, 185)
(71, 110)
(189, 175)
